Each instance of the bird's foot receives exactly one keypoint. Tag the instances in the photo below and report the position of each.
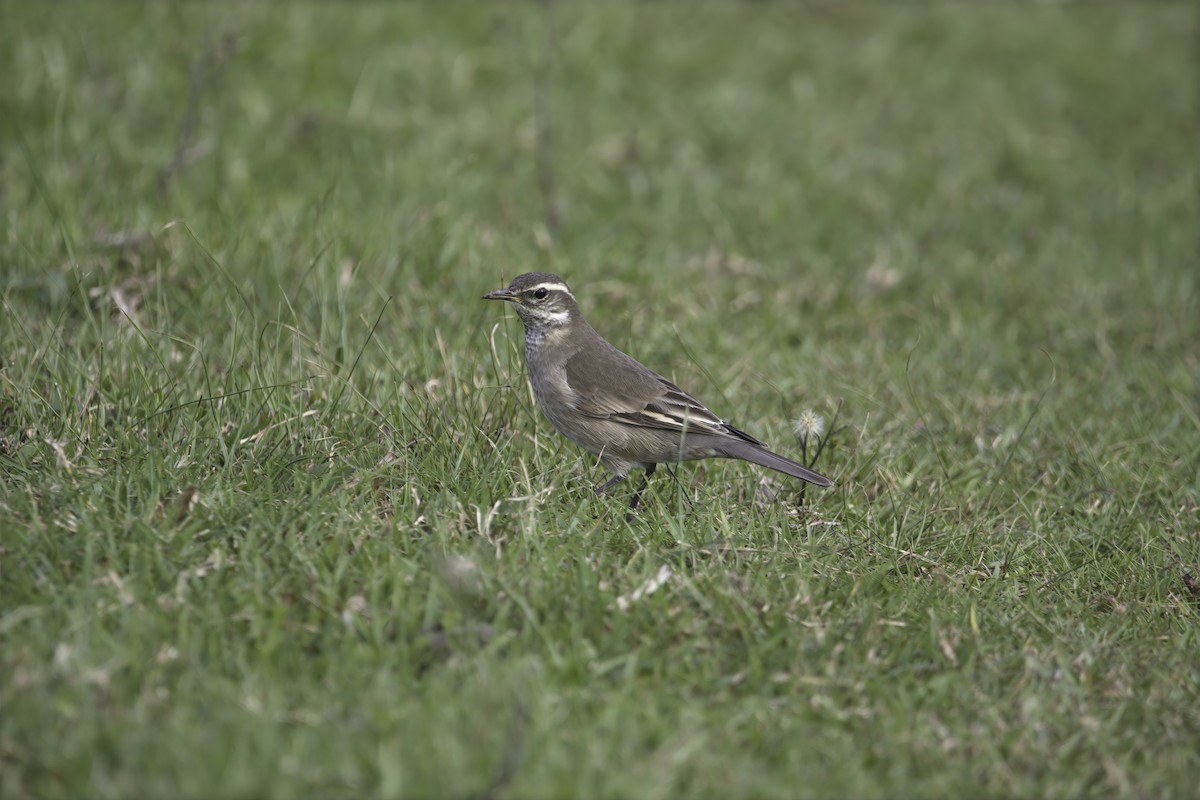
(637, 495)
(609, 484)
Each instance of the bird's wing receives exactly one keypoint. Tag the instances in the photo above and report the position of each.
(678, 411)
(617, 387)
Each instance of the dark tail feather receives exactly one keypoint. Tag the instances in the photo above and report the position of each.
(765, 458)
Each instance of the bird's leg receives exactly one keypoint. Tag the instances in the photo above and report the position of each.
(637, 495)
(608, 484)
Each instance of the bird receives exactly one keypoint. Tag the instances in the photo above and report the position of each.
(614, 406)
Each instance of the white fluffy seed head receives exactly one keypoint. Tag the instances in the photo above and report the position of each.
(809, 425)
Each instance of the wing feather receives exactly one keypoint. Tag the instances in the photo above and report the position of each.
(615, 386)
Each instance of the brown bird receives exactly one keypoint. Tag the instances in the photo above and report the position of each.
(614, 406)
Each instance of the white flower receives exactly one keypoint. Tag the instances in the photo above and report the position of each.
(809, 424)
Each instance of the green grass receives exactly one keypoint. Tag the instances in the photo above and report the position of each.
(278, 518)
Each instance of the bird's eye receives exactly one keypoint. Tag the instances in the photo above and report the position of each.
(540, 294)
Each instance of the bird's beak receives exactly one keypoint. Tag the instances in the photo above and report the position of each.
(500, 294)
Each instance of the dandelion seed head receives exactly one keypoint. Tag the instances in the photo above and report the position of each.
(809, 424)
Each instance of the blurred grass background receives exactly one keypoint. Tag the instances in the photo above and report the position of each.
(279, 519)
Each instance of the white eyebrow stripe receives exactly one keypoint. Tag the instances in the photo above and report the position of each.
(557, 287)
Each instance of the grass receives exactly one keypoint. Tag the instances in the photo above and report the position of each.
(278, 518)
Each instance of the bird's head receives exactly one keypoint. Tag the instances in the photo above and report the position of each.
(544, 301)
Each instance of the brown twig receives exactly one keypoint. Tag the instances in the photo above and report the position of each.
(200, 78)
(547, 185)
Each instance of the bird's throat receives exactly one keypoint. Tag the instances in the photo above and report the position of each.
(539, 336)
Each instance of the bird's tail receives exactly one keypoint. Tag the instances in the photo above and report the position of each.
(764, 457)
